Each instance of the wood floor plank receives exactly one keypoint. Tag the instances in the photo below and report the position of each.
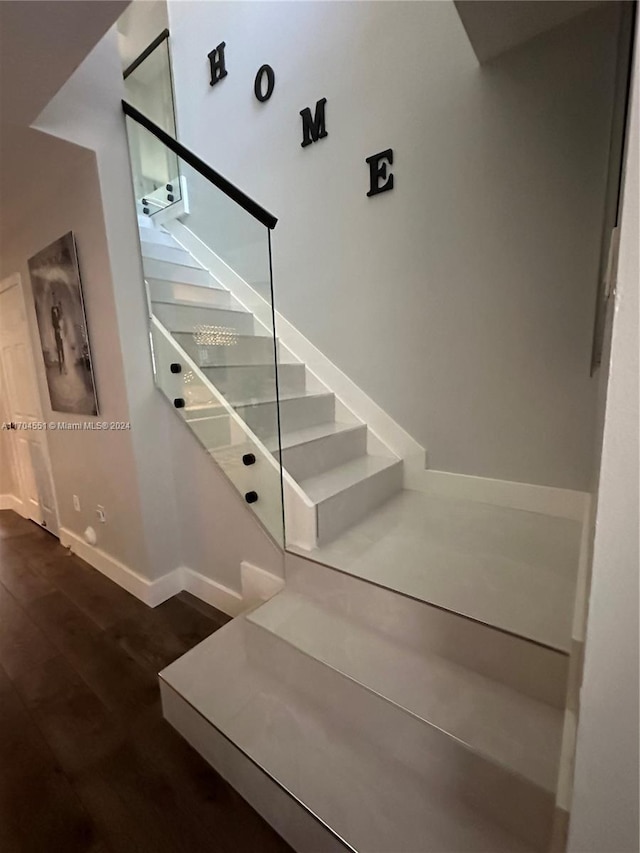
(21, 579)
(202, 793)
(99, 598)
(76, 724)
(138, 807)
(37, 802)
(147, 639)
(115, 677)
(207, 610)
(22, 644)
(12, 524)
(87, 762)
(191, 626)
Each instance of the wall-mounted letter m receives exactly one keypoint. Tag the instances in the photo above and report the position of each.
(313, 128)
(216, 61)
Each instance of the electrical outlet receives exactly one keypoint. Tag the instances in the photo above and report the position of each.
(102, 516)
(76, 503)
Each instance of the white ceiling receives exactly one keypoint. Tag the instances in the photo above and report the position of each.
(495, 26)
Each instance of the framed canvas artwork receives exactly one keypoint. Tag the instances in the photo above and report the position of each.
(62, 325)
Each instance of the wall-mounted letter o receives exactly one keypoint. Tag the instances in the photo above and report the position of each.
(260, 93)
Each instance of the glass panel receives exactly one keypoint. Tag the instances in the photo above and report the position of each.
(149, 88)
(230, 232)
(214, 359)
(156, 173)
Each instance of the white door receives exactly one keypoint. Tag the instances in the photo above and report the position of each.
(22, 406)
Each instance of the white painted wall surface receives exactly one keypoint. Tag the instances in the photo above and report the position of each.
(605, 806)
(138, 26)
(64, 195)
(462, 302)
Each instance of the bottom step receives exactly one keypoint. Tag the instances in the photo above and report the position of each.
(317, 771)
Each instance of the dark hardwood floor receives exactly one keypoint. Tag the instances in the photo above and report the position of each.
(87, 762)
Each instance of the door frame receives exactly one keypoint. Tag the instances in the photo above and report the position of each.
(22, 502)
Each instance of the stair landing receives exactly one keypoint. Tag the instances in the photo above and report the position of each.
(509, 568)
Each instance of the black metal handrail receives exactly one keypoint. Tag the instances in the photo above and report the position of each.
(202, 168)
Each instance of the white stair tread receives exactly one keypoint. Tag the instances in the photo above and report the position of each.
(336, 480)
(237, 335)
(213, 285)
(205, 306)
(204, 411)
(271, 398)
(366, 795)
(178, 265)
(174, 255)
(516, 731)
(256, 365)
(293, 438)
(193, 329)
(156, 237)
(191, 303)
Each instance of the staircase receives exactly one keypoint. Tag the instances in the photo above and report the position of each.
(343, 472)
(350, 716)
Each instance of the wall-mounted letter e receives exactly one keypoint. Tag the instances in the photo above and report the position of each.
(379, 180)
(314, 128)
(216, 61)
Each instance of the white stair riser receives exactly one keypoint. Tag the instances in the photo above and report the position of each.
(320, 454)
(298, 413)
(339, 512)
(292, 821)
(516, 732)
(158, 237)
(526, 667)
(440, 762)
(186, 318)
(167, 291)
(201, 412)
(256, 380)
(246, 350)
(162, 252)
(175, 272)
(212, 432)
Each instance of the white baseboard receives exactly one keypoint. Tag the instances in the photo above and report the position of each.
(213, 593)
(563, 503)
(12, 502)
(154, 592)
(381, 425)
(151, 592)
(257, 585)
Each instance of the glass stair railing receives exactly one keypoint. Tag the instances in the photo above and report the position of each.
(213, 360)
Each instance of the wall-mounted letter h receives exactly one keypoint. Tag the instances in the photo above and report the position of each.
(216, 61)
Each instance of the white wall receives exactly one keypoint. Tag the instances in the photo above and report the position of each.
(165, 507)
(137, 27)
(462, 301)
(99, 467)
(606, 791)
